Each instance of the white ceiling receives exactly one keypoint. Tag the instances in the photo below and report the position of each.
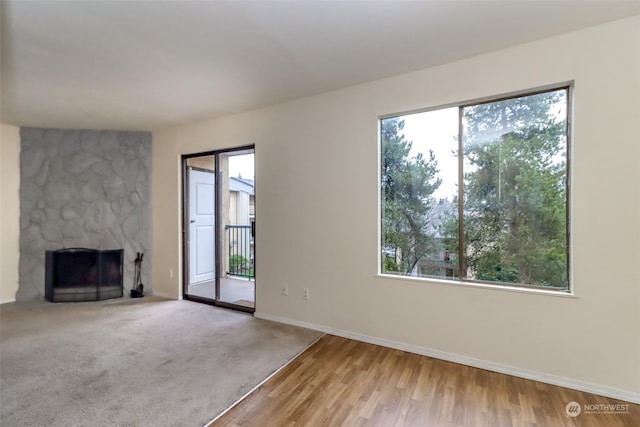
(144, 65)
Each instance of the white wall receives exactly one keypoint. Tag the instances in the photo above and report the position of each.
(317, 200)
(9, 211)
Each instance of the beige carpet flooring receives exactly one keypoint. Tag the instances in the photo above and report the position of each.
(145, 362)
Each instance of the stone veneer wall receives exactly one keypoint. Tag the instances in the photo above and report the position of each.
(83, 188)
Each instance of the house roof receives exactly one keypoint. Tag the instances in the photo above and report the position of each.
(241, 184)
(146, 65)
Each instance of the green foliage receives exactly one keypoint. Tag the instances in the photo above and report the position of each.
(407, 185)
(237, 263)
(390, 264)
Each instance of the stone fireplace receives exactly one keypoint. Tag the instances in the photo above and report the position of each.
(83, 189)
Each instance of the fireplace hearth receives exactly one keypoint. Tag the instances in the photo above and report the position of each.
(80, 274)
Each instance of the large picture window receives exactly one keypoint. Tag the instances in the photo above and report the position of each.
(478, 192)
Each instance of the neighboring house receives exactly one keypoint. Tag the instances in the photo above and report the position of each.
(440, 262)
(242, 201)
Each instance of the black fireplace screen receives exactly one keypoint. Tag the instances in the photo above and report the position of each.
(80, 274)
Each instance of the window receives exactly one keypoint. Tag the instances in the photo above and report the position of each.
(478, 192)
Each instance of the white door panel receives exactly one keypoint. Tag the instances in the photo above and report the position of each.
(201, 226)
(204, 252)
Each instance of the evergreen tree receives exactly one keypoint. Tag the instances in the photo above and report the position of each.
(408, 183)
(515, 184)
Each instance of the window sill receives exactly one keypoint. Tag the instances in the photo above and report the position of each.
(504, 288)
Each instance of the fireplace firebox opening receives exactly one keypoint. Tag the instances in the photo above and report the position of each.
(80, 274)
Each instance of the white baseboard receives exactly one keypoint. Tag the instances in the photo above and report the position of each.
(164, 295)
(7, 301)
(613, 393)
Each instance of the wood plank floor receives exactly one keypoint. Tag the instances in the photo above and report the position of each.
(341, 382)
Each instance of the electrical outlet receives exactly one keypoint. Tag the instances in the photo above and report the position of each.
(305, 294)
(285, 290)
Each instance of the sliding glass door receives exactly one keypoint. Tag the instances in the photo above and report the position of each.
(219, 228)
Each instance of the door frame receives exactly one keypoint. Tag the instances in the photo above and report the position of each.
(217, 228)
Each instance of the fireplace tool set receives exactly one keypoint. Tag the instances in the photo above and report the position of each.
(138, 288)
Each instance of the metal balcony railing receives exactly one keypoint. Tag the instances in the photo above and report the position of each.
(241, 255)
